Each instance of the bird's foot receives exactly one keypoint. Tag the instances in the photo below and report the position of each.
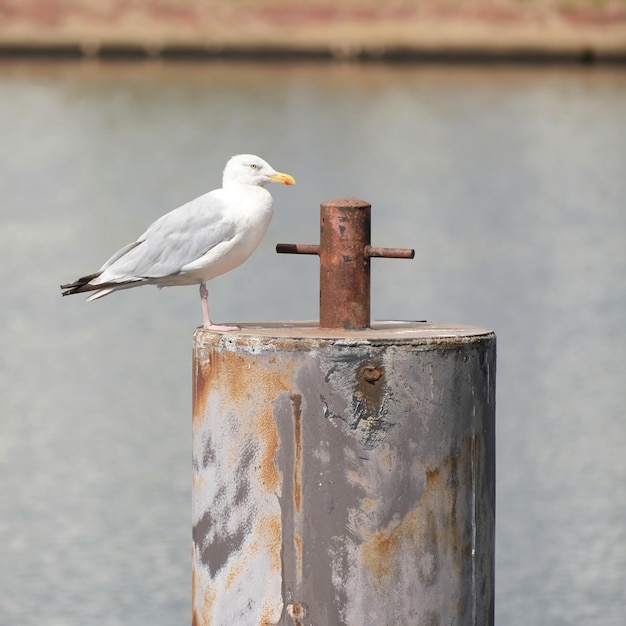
(219, 327)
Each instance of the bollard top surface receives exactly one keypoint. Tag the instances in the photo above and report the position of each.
(346, 203)
(427, 334)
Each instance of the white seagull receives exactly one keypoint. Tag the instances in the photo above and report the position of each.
(198, 241)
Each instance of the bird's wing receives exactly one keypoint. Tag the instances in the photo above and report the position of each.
(173, 241)
(120, 253)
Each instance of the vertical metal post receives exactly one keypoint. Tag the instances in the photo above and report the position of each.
(344, 264)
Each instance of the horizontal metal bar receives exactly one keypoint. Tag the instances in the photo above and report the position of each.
(297, 248)
(390, 253)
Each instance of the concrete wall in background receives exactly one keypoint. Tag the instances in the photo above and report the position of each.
(582, 29)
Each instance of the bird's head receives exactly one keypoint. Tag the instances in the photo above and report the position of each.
(248, 169)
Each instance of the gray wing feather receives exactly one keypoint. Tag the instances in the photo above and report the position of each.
(173, 241)
(119, 254)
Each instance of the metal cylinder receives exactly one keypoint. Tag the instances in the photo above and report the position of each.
(344, 477)
(344, 264)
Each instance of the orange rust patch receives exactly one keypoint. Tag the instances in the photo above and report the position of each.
(432, 476)
(270, 530)
(248, 384)
(297, 540)
(380, 554)
(431, 532)
(233, 574)
(210, 596)
(273, 527)
(214, 368)
(268, 434)
(268, 615)
(194, 615)
(296, 402)
(297, 612)
(246, 378)
(200, 381)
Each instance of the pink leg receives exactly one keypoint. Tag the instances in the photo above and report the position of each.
(206, 322)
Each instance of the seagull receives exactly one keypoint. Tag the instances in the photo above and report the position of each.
(196, 242)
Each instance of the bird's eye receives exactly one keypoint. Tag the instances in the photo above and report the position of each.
(254, 166)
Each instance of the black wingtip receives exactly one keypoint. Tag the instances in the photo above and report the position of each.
(80, 285)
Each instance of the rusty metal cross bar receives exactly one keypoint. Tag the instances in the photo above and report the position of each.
(345, 252)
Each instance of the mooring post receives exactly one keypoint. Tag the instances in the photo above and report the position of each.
(345, 252)
(344, 473)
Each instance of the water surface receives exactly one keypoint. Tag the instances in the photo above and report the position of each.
(510, 185)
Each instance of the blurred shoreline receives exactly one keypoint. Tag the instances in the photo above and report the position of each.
(429, 30)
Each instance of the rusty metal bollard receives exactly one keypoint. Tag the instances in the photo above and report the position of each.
(345, 253)
(344, 474)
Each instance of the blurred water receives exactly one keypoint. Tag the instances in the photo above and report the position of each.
(510, 184)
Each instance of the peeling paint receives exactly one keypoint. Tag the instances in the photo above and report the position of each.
(236, 514)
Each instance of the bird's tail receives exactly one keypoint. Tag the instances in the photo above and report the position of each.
(80, 285)
(83, 285)
(102, 292)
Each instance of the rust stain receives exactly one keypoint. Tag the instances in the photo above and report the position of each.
(220, 369)
(369, 405)
(243, 376)
(431, 532)
(233, 574)
(217, 368)
(268, 615)
(297, 611)
(270, 529)
(209, 598)
(371, 387)
(268, 434)
(194, 615)
(200, 381)
(272, 526)
(297, 540)
(296, 402)
(248, 384)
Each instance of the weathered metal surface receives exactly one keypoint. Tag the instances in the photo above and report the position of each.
(344, 477)
(345, 252)
(344, 267)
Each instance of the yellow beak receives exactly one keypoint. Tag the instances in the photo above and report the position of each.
(285, 179)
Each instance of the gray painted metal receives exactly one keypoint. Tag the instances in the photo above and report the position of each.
(344, 477)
